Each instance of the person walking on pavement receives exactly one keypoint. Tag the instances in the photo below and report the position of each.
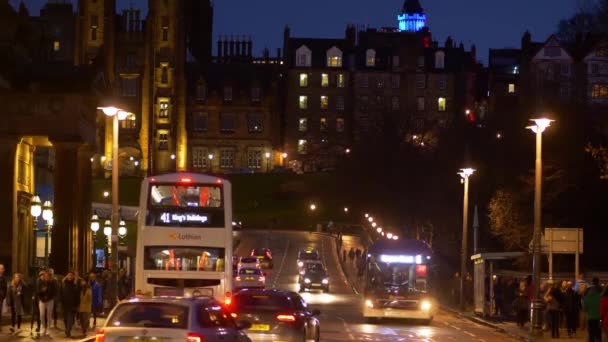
(35, 307)
(552, 299)
(14, 300)
(351, 255)
(572, 306)
(604, 313)
(3, 288)
(46, 292)
(56, 301)
(85, 305)
(344, 256)
(70, 298)
(520, 305)
(124, 284)
(591, 305)
(97, 298)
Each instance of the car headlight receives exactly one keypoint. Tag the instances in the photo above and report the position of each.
(302, 272)
(307, 281)
(425, 305)
(325, 281)
(369, 303)
(300, 263)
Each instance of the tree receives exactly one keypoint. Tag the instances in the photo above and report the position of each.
(600, 155)
(508, 220)
(591, 16)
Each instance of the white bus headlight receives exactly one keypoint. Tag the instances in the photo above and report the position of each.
(300, 263)
(369, 303)
(425, 305)
(325, 281)
(307, 281)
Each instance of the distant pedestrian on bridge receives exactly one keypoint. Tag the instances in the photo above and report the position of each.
(351, 255)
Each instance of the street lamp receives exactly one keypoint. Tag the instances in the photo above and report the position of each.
(389, 236)
(107, 231)
(379, 229)
(366, 215)
(346, 209)
(313, 207)
(370, 219)
(284, 155)
(465, 174)
(395, 237)
(374, 224)
(36, 211)
(94, 229)
(267, 155)
(536, 320)
(210, 156)
(122, 229)
(47, 216)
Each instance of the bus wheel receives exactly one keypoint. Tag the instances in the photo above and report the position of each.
(372, 320)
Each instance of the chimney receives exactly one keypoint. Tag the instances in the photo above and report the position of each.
(131, 20)
(278, 53)
(526, 41)
(474, 52)
(219, 49)
(137, 21)
(225, 43)
(449, 43)
(231, 47)
(351, 36)
(125, 20)
(249, 48)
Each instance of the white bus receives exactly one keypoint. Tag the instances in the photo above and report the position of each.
(184, 238)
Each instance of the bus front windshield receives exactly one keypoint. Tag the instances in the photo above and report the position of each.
(403, 277)
(185, 205)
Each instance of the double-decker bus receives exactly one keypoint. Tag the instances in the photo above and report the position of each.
(184, 239)
(397, 283)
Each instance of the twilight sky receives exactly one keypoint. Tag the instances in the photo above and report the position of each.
(486, 23)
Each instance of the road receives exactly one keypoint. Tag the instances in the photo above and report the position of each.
(341, 318)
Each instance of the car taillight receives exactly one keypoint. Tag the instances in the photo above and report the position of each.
(238, 278)
(228, 299)
(262, 279)
(286, 318)
(192, 337)
(100, 336)
(233, 315)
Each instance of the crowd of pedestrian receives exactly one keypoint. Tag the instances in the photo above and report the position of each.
(79, 299)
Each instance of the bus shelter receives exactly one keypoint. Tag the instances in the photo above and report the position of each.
(483, 286)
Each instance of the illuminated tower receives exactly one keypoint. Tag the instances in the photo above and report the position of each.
(412, 17)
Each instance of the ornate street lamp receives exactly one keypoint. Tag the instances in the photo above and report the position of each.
(47, 216)
(35, 211)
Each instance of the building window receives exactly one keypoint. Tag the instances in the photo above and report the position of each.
(334, 57)
(395, 61)
(303, 80)
(565, 69)
(56, 46)
(442, 82)
(200, 157)
(256, 94)
(324, 102)
(395, 103)
(564, 92)
(439, 60)
(379, 82)
(340, 80)
(441, 104)
(363, 81)
(602, 51)
(227, 122)
(164, 109)
(303, 102)
(323, 124)
(165, 28)
(94, 25)
(340, 103)
(201, 92)
(93, 33)
(395, 81)
(227, 94)
(379, 100)
(324, 80)
(164, 76)
(163, 140)
(303, 124)
(128, 86)
(254, 158)
(303, 56)
(420, 81)
(511, 88)
(227, 158)
(302, 146)
(131, 60)
(595, 69)
(340, 125)
(370, 58)
(599, 91)
(255, 122)
(420, 104)
(363, 103)
(200, 122)
(420, 61)
(130, 122)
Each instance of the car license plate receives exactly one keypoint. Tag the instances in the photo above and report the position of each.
(250, 278)
(260, 327)
(316, 284)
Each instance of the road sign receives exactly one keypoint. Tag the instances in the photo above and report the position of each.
(544, 247)
(564, 240)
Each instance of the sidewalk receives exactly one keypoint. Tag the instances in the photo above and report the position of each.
(56, 334)
(350, 268)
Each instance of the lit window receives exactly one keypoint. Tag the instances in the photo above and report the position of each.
(303, 124)
(302, 146)
(56, 46)
(200, 122)
(340, 103)
(324, 102)
(256, 94)
(599, 91)
(420, 104)
(227, 122)
(441, 104)
(94, 25)
(227, 93)
(334, 57)
(511, 88)
(254, 158)
(370, 58)
(395, 81)
(420, 81)
(439, 60)
(254, 123)
(324, 80)
(323, 124)
(130, 122)
(340, 125)
(227, 158)
(163, 140)
(164, 109)
(340, 80)
(165, 28)
(303, 80)
(303, 102)
(200, 157)
(395, 103)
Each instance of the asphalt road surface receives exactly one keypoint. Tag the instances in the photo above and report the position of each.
(341, 318)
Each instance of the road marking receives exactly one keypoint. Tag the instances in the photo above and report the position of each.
(350, 333)
(468, 333)
(276, 277)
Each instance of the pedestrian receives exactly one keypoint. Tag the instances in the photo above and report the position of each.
(124, 284)
(97, 299)
(46, 292)
(351, 254)
(520, 305)
(499, 297)
(14, 300)
(56, 301)
(35, 307)
(604, 313)
(357, 253)
(344, 256)
(455, 288)
(3, 288)
(591, 305)
(552, 301)
(69, 301)
(572, 306)
(85, 305)
(582, 317)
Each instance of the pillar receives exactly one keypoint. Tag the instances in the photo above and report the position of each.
(82, 261)
(8, 149)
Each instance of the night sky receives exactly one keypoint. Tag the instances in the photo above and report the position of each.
(486, 23)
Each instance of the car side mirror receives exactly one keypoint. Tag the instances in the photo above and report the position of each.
(316, 312)
(243, 325)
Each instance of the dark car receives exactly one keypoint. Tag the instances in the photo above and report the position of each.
(314, 276)
(307, 254)
(265, 257)
(276, 315)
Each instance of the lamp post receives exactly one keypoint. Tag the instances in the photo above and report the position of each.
(465, 174)
(94, 229)
(536, 318)
(47, 216)
(35, 211)
(267, 155)
(284, 155)
(210, 156)
(107, 231)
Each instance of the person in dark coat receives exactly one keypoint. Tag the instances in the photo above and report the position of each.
(97, 302)
(572, 307)
(14, 300)
(520, 304)
(552, 300)
(70, 298)
(35, 308)
(46, 292)
(124, 284)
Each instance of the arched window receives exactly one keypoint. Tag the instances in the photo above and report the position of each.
(370, 57)
(334, 57)
(303, 56)
(439, 60)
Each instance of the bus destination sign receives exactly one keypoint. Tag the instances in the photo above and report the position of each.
(171, 218)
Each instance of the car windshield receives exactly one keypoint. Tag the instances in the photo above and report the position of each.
(314, 268)
(262, 302)
(150, 315)
(250, 271)
(309, 255)
(260, 252)
(214, 316)
(249, 260)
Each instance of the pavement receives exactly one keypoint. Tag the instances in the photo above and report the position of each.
(56, 334)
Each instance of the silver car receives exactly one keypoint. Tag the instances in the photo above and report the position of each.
(162, 319)
(249, 278)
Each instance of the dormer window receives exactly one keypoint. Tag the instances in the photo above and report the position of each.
(303, 56)
(439, 60)
(334, 57)
(370, 58)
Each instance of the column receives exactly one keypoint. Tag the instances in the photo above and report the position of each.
(82, 256)
(8, 149)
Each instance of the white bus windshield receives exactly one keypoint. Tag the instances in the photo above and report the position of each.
(396, 275)
(184, 258)
(190, 205)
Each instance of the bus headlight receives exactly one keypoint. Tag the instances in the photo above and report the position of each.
(369, 303)
(425, 305)
(307, 281)
(325, 281)
(300, 263)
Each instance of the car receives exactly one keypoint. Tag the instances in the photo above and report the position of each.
(307, 254)
(249, 277)
(265, 257)
(314, 276)
(249, 262)
(276, 315)
(172, 319)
